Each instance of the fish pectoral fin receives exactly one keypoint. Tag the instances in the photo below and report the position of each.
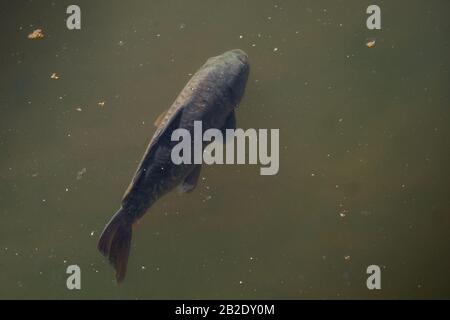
(230, 123)
(191, 180)
(159, 119)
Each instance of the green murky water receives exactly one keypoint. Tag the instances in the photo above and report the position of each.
(364, 149)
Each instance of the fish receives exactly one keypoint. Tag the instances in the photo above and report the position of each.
(211, 95)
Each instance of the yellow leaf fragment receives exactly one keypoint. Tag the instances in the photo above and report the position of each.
(36, 34)
(370, 43)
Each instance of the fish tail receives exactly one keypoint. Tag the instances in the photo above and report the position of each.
(115, 241)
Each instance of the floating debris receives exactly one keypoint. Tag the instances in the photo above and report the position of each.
(81, 173)
(101, 104)
(78, 109)
(36, 34)
(347, 258)
(275, 49)
(370, 43)
(54, 76)
(343, 213)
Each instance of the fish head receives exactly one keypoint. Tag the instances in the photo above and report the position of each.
(238, 70)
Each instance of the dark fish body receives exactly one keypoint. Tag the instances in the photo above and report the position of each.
(210, 96)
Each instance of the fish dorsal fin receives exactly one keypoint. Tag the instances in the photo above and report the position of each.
(160, 118)
(163, 131)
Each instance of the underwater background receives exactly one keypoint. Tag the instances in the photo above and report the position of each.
(364, 150)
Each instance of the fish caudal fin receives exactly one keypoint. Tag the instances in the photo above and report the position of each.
(115, 241)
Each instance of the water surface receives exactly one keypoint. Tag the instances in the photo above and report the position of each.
(364, 152)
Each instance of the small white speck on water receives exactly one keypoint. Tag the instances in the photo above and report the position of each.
(275, 49)
(92, 233)
(341, 119)
(241, 282)
(44, 200)
(241, 36)
(313, 174)
(67, 189)
(143, 267)
(158, 35)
